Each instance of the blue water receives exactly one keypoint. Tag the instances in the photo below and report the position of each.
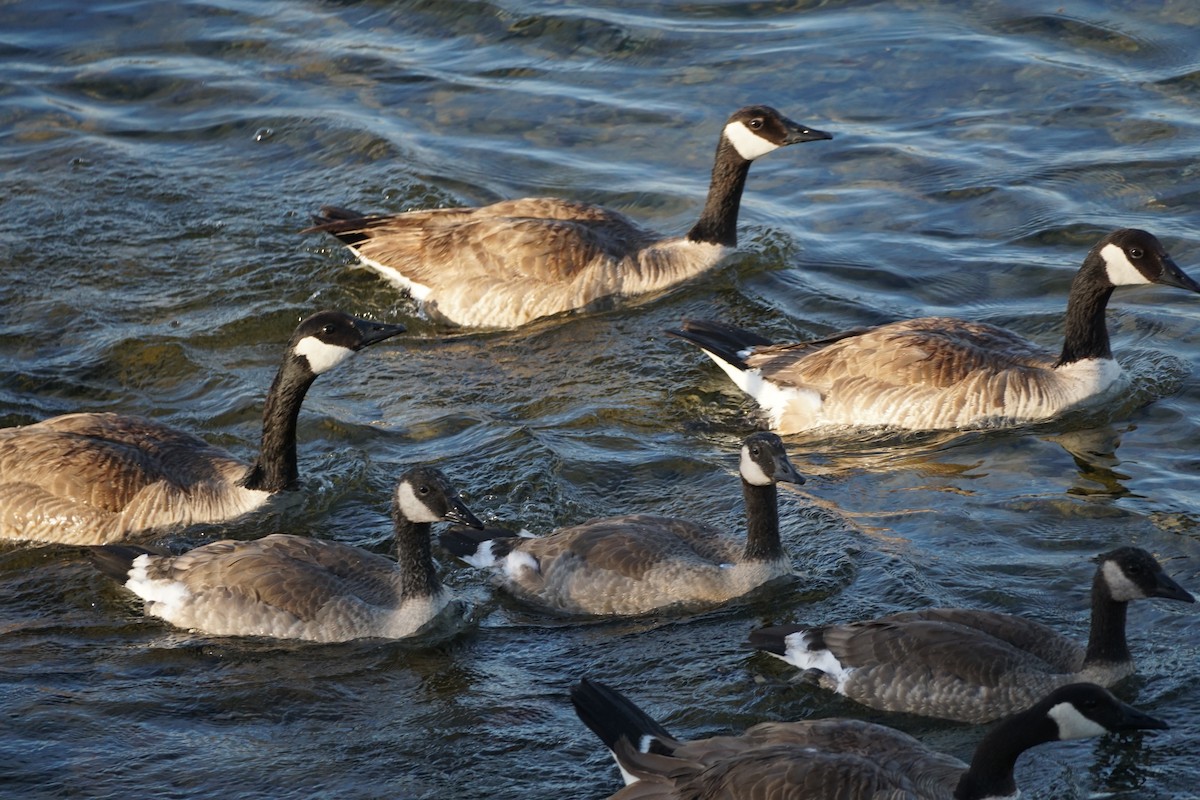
(157, 161)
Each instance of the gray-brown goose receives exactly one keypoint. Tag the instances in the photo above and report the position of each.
(506, 264)
(638, 563)
(294, 587)
(940, 372)
(837, 759)
(93, 478)
(974, 666)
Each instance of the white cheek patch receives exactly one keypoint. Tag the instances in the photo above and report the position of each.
(1120, 271)
(748, 143)
(1073, 725)
(412, 507)
(1122, 589)
(321, 357)
(752, 473)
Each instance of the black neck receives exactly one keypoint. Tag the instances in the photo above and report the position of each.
(415, 557)
(718, 221)
(1086, 328)
(1106, 642)
(762, 522)
(275, 468)
(991, 770)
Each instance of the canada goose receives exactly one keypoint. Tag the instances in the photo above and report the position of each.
(294, 587)
(939, 372)
(638, 563)
(837, 759)
(973, 666)
(97, 478)
(508, 263)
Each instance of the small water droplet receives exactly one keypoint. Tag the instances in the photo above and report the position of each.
(263, 134)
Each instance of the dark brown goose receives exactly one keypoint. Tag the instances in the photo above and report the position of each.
(294, 587)
(837, 759)
(506, 264)
(974, 666)
(97, 478)
(940, 372)
(638, 563)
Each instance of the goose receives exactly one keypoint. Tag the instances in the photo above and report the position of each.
(94, 478)
(637, 563)
(973, 666)
(512, 262)
(838, 759)
(294, 587)
(938, 372)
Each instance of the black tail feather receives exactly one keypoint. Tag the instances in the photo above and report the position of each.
(723, 341)
(774, 639)
(115, 560)
(612, 716)
(343, 223)
(462, 541)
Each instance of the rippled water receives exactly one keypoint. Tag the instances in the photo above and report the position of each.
(159, 159)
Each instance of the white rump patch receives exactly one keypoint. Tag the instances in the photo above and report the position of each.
(1074, 725)
(751, 472)
(169, 594)
(774, 399)
(797, 652)
(748, 143)
(482, 558)
(419, 291)
(412, 507)
(321, 356)
(517, 561)
(1123, 589)
(1120, 271)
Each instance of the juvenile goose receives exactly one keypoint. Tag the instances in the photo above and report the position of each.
(638, 563)
(506, 264)
(939, 372)
(973, 666)
(294, 587)
(97, 478)
(837, 759)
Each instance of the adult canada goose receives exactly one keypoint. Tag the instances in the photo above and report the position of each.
(973, 666)
(939, 372)
(638, 563)
(837, 759)
(97, 478)
(294, 587)
(508, 263)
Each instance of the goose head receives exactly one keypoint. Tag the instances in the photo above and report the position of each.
(424, 494)
(757, 130)
(1082, 710)
(1131, 256)
(765, 462)
(1130, 573)
(328, 338)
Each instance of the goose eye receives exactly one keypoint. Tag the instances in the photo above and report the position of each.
(423, 490)
(1136, 252)
(328, 329)
(755, 450)
(755, 123)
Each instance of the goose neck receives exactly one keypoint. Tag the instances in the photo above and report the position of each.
(275, 469)
(1106, 641)
(718, 220)
(414, 557)
(991, 772)
(1086, 327)
(762, 522)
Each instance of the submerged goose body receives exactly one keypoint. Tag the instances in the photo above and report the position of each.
(837, 759)
(294, 587)
(973, 666)
(506, 264)
(639, 563)
(97, 478)
(940, 372)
